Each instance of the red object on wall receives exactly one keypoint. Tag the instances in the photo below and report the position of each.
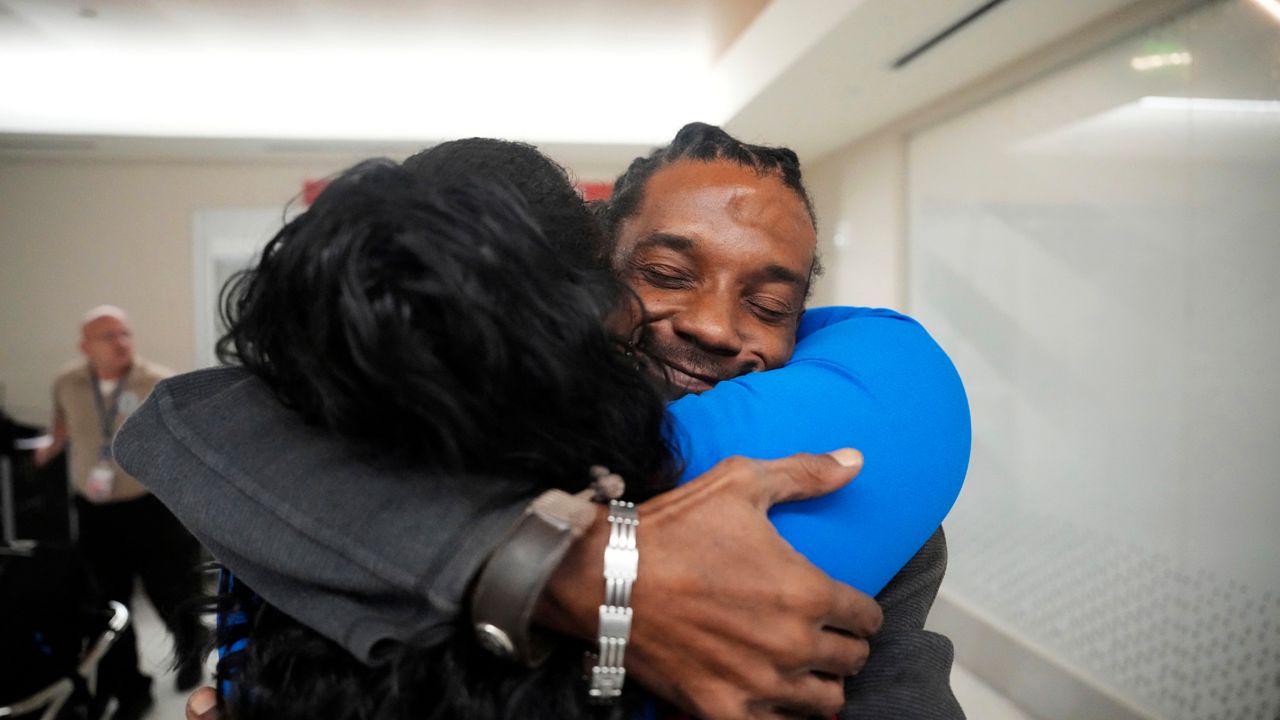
(595, 191)
(311, 189)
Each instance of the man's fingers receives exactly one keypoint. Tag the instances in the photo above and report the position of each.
(854, 613)
(202, 704)
(839, 654)
(807, 695)
(805, 475)
(847, 457)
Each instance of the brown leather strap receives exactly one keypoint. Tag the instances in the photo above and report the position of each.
(514, 576)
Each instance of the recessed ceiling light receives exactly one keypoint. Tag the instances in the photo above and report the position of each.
(1143, 63)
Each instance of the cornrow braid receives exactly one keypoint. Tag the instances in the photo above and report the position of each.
(706, 143)
(700, 141)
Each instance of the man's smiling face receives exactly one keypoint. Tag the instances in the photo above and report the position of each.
(720, 257)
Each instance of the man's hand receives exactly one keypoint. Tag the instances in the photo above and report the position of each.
(57, 441)
(729, 621)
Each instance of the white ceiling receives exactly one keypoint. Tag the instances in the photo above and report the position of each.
(599, 79)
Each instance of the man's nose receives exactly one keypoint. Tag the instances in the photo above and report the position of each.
(710, 322)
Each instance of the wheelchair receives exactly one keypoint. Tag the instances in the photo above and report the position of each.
(55, 626)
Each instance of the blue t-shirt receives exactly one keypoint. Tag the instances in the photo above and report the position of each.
(865, 378)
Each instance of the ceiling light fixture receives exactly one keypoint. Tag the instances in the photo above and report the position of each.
(1144, 63)
(354, 93)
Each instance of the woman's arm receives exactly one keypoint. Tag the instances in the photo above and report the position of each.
(864, 378)
(360, 550)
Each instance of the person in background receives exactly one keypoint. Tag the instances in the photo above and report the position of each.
(124, 532)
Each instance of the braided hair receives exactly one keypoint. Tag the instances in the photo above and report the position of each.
(701, 142)
(704, 143)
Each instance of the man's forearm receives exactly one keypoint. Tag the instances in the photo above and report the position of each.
(360, 552)
(569, 605)
(57, 442)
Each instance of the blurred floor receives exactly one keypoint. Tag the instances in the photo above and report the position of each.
(979, 701)
(155, 652)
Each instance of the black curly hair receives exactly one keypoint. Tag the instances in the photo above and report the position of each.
(701, 142)
(446, 312)
(546, 186)
(426, 314)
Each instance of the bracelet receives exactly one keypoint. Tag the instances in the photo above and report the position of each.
(515, 574)
(621, 561)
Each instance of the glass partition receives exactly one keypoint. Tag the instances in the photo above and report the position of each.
(1099, 250)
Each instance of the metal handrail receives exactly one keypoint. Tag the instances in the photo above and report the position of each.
(52, 698)
(118, 621)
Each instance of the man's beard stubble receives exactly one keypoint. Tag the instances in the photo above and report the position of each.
(660, 360)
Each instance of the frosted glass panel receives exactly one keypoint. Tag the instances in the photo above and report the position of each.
(1100, 252)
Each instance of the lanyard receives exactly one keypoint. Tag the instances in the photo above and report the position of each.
(107, 413)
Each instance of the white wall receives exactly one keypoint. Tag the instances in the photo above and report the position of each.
(77, 234)
(859, 196)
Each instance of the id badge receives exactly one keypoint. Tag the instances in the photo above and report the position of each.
(102, 478)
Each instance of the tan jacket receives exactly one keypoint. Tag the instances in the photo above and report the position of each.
(73, 398)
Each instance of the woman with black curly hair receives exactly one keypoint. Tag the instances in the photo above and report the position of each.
(425, 316)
